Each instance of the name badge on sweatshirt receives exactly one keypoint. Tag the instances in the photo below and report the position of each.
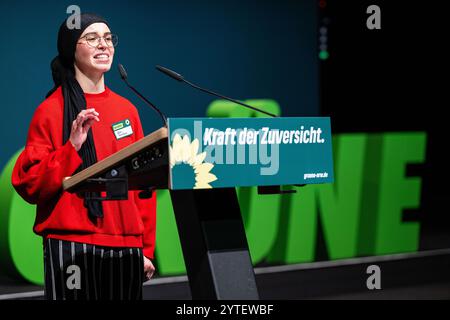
(122, 129)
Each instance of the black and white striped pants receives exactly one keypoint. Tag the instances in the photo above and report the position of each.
(79, 271)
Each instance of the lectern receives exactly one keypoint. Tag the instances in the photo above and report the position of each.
(201, 161)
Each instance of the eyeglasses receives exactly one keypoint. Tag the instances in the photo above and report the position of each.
(93, 39)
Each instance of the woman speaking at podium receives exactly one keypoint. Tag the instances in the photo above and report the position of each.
(92, 249)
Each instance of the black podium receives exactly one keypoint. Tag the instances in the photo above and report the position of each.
(214, 243)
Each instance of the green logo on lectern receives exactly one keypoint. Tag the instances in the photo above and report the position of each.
(188, 167)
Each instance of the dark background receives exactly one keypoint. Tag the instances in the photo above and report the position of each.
(393, 79)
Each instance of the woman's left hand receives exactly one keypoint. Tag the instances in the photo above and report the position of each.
(149, 269)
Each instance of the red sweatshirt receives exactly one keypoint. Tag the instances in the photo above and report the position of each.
(45, 161)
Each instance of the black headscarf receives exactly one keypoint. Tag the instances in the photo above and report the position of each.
(63, 74)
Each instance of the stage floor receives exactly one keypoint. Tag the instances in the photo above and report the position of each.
(423, 275)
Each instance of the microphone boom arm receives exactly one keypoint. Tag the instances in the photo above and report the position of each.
(146, 100)
(229, 99)
(124, 76)
(180, 78)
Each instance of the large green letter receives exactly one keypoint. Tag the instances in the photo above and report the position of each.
(340, 202)
(398, 192)
(339, 209)
(21, 253)
(168, 247)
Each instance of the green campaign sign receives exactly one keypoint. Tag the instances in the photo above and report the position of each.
(228, 152)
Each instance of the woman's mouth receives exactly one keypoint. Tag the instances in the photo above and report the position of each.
(102, 57)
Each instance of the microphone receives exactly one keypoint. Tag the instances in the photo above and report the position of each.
(124, 76)
(180, 78)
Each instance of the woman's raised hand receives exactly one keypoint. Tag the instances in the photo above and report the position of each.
(81, 126)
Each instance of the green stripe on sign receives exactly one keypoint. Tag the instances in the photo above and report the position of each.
(117, 126)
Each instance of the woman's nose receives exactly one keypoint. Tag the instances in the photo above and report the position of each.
(101, 43)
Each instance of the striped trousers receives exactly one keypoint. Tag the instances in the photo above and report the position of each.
(79, 271)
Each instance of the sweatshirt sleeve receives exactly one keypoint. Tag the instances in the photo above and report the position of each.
(40, 168)
(147, 208)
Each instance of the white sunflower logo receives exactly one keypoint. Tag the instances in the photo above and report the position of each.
(189, 165)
